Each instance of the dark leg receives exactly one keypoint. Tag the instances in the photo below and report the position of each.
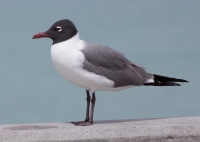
(92, 108)
(88, 106)
(87, 109)
(89, 120)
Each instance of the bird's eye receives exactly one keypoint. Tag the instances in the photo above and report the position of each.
(58, 29)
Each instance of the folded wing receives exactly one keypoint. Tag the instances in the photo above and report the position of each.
(113, 65)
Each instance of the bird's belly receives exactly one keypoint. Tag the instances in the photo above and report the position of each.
(70, 65)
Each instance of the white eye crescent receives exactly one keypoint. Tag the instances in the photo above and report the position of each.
(59, 29)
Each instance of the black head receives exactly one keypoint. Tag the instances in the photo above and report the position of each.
(60, 31)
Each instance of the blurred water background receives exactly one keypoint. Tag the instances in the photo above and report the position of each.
(163, 36)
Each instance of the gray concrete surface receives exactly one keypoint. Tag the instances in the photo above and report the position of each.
(142, 130)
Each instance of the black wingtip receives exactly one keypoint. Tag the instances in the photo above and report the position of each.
(165, 78)
(181, 80)
(165, 81)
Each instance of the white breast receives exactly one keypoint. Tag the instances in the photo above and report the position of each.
(68, 61)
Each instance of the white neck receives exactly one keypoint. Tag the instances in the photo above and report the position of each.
(75, 43)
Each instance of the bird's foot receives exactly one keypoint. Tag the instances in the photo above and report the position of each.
(82, 123)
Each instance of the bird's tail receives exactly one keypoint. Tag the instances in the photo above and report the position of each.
(164, 81)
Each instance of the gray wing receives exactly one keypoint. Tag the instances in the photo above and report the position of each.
(112, 64)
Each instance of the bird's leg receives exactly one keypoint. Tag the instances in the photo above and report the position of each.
(92, 108)
(88, 106)
(89, 121)
(82, 123)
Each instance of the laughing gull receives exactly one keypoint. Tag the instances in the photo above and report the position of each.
(95, 67)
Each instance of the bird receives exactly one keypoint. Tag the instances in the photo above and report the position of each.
(95, 67)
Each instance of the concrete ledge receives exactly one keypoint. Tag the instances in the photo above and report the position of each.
(152, 130)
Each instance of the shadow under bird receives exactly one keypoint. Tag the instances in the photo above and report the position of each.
(95, 67)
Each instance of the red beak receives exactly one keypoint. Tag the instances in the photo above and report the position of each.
(40, 35)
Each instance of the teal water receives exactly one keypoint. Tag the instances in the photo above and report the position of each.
(163, 36)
